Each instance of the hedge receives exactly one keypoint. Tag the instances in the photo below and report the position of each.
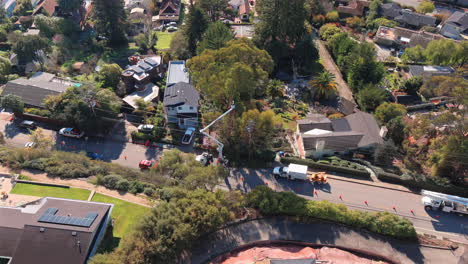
(411, 183)
(269, 202)
(356, 172)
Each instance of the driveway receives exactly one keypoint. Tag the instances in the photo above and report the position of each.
(329, 64)
(323, 233)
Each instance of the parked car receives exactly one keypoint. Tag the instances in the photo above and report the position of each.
(145, 128)
(171, 24)
(172, 29)
(188, 136)
(71, 132)
(146, 164)
(30, 145)
(94, 155)
(28, 124)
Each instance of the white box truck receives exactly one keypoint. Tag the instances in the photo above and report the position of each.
(444, 202)
(292, 172)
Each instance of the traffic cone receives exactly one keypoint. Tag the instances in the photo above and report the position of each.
(341, 198)
(412, 211)
(316, 193)
(394, 208)
(366, 203)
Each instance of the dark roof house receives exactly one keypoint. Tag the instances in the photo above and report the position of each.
(406, 17)
(455, 25)
(181, 93)
(170, 11)
(404, 37)
(318, 135)
(34, 90)
(47, 7)
(53, 231)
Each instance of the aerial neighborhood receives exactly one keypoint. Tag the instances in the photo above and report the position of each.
(233, 131)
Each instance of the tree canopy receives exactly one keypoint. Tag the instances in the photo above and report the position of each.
(27, 47)
(110, 17)
(109, 76)
(214, 8)
(84, 106)
(23, 8)
(388, 111)
(69, 6)
(13, 102)
(196, 24)
(370, 97)
(215, 37)
(235, 73)
(425, 7)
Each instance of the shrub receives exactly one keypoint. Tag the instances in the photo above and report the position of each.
(110, 181)
(136, 187)
(361, 172)
(288, 203)
(332, 16)
(149, 191)
(327, 31)
(122, 185)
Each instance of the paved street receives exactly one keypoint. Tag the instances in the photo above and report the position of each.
(353, 194)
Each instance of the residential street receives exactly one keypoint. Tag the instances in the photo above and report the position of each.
(353, 194)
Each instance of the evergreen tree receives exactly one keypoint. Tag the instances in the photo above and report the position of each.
(110, 20)
(215, 37)
(196, 24)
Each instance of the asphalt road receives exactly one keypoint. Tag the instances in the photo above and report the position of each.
(353, 195)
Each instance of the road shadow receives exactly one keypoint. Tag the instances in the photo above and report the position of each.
(316, 232)
(108, 149)
(449, 222)
(12, 130)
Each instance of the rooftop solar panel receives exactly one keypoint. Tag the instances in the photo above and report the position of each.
(50, 217)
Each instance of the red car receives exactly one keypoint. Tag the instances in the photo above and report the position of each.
(146, 164)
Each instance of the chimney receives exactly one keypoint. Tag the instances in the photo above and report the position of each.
(383, 132)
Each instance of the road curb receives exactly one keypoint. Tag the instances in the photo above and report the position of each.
(368, 184)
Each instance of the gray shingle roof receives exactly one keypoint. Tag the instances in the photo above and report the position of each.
(390, 10)
(181, 93)
(415, 19)
(459, 19)
(356, 130)
(32, 91)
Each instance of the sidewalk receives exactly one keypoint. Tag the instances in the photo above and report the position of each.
(322, 233)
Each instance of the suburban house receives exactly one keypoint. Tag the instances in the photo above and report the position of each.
(463, 3)
(406, 17)
(148, 92)
(429, 71)
(353, 7)
(404, 38)
(46, 7)
(243, 30)
(456, 26)
(318, 136)
(34, 90)
(169, 12)
(143, 70)
(180, 97)
(53, 231)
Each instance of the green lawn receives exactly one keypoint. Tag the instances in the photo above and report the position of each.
(124, 213)
(43, 191)
(164, 40)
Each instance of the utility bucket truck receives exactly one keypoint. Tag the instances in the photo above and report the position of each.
(444, 202)
(292, 172)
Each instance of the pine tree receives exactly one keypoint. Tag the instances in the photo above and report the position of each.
(110, 20)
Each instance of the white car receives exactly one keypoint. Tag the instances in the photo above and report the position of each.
(172, 29)
(30, 145)
(145, 128)
(188, 136)
(71, 132)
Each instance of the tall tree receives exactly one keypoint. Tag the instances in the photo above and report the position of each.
(109, 75)
(147, 40)
(214, 8)
(110, 20)
(388, 111)
(84, 106)
(69, 6)
(13, 102)
(236, 72)
(27, 47)
(215, 37)
(324, 84)
(305, 55)
(5, 68)
(363, 67)
(370, 97)
(280, 20)
(196, 24)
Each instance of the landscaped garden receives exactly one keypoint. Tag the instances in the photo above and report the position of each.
(50, 191)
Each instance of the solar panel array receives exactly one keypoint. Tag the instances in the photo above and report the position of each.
(50, 217)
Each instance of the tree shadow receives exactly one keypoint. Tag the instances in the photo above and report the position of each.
(12, 130)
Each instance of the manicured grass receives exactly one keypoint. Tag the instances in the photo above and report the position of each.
(43, 191)
(164, 40)
(124, 213)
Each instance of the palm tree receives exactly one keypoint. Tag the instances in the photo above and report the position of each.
(324, 84)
